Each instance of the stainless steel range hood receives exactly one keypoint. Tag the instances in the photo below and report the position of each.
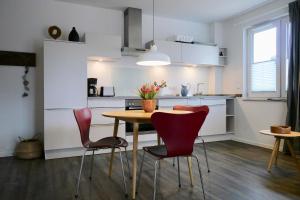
(133, 32)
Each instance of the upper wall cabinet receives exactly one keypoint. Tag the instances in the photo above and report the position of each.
(65, 75)
(200, 54)
(193, 54)
(172, 49)
(103, 47)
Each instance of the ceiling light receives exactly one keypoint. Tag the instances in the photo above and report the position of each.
(153, 57)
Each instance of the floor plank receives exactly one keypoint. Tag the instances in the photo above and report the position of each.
(238, 172)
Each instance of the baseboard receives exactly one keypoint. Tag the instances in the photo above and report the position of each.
(72, 152)
(6, 154)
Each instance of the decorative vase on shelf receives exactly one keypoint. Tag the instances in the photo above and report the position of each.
(149, 105)
(74, 36)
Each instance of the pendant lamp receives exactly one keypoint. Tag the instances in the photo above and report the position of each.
(153, 57)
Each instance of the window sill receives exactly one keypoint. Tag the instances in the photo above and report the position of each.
(264, 99)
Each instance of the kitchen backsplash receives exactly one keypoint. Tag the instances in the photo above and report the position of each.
(127, 77)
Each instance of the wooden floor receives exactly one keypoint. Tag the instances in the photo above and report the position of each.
(238, 172)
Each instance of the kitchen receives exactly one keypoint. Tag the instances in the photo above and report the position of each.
(210, 70)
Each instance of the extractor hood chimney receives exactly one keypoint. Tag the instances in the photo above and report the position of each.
(132, 32)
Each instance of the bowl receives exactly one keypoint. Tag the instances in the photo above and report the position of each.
(279, 129)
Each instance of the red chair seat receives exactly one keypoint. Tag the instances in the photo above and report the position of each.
(108, 142)
(157, 151)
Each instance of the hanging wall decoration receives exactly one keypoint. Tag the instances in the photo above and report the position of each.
(54, 32)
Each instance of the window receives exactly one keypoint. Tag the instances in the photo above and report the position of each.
(267, 59)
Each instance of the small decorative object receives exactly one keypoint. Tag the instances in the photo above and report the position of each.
(148, 92)
(73, 36)
(221, 53)
(29, 149)
(25, 82)
(185, 90)
(281, 129)
(54, 32)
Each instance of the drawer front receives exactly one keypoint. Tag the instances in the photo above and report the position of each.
(171, 102)
(106, 103)
(194, 102)
(100, 131)
(212, 102)
(97, 117)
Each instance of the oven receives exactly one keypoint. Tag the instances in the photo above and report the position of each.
(146, 131)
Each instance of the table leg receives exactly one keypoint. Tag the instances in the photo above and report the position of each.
(273, 154)
(277, 152)
(115, 133)
(134, 157)
(292, 152)
(189, 161)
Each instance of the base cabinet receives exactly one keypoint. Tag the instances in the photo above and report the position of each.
(60, 130)
(215, 122)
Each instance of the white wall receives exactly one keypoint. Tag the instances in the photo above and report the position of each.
(128, 78)
(251, 116)
(24, 26)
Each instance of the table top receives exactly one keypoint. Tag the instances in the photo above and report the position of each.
(291, 135)
(138, 114)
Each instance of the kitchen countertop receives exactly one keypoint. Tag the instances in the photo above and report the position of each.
(206, 96)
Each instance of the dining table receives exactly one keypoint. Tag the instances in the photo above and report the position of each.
(136, 117)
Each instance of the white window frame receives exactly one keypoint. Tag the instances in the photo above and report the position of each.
(281, 48)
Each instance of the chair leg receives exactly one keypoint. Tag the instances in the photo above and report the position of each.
(79, 176)
(204, 148)
(123, 173)
(129, 173)
(92, 164)
(178, 168)
(140, 173)
(201, 178)
(173, 161)
(155, 177)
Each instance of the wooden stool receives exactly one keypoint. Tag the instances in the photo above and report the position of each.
(278, 137)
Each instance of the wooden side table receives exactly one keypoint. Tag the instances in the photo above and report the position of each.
(278, 137)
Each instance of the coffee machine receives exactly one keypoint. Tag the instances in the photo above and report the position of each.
(91, 87)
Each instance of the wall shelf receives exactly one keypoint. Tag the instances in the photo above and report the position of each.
(11, 58)
(230, 116)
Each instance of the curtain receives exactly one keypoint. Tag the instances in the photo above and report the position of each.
(293, 93)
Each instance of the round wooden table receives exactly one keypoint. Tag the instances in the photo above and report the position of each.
(278, 137)
(136, 117)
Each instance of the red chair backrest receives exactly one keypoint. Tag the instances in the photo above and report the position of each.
(192, 108)
(178, 131)
(83, 117)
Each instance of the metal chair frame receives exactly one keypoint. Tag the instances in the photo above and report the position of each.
(156, 166)
(92, 164)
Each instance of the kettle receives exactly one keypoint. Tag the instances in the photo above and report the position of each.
(185, 90)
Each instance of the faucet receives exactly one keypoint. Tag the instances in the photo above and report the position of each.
(198, 88)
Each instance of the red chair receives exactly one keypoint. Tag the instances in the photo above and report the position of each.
(83, 118)
(194, 109)
(178, 132)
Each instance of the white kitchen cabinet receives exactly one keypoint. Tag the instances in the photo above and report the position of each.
(194, 102)
(103, 102)
(65, 75)
(172, 49)
(169, 103)
(215, 122)
(200, 54)
(103, 47)
(60, 130)
(105, 130)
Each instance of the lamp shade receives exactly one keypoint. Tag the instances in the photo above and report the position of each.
(153, 58)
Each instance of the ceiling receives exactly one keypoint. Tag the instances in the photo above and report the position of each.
(192, 10)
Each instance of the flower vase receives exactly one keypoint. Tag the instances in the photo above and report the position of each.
(149, 105)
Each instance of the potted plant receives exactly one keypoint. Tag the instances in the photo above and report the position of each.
(148, 93)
